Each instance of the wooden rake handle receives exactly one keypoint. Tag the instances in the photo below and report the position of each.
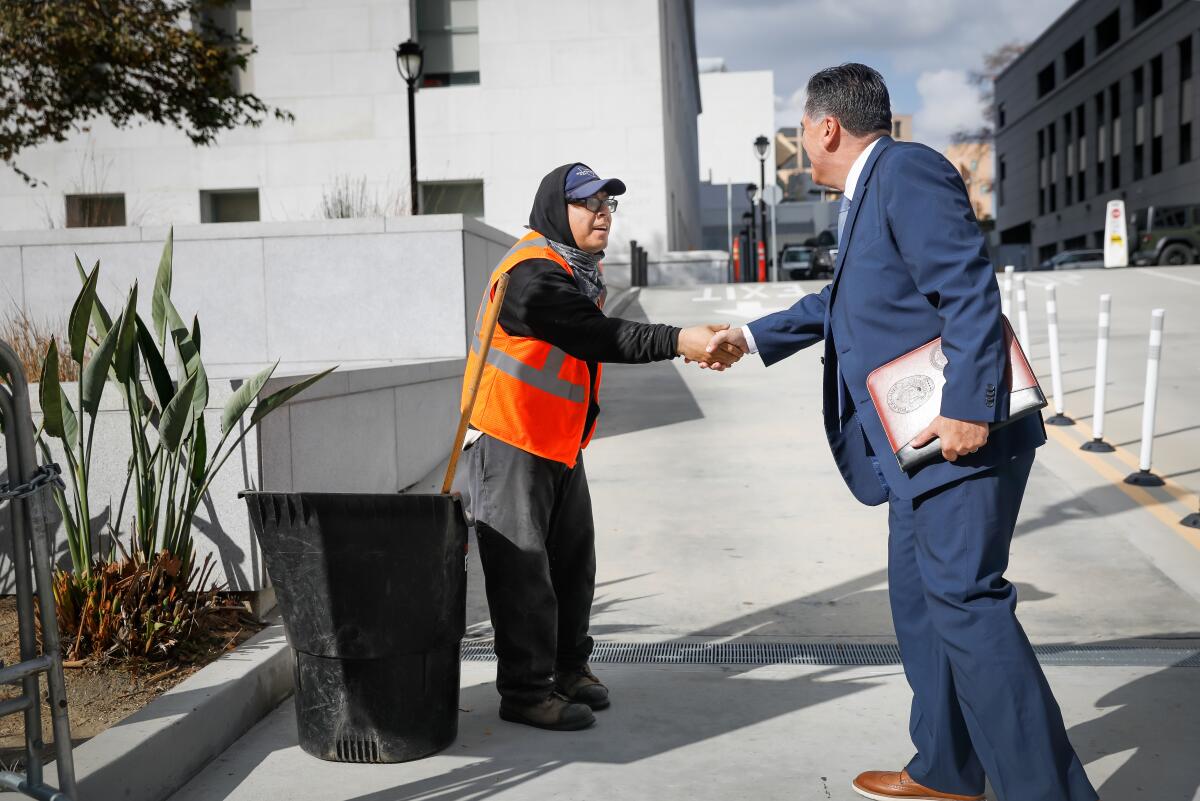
(473, 380)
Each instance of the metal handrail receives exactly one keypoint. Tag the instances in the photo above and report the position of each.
(30, 537)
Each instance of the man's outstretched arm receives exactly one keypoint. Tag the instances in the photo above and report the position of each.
(779, 335)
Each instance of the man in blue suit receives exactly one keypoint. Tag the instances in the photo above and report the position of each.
(912, 266)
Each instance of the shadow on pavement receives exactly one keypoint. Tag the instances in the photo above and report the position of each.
(1153, 718)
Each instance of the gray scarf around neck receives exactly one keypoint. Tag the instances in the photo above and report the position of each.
(586, 268)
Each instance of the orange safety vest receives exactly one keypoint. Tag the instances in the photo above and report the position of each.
(533, 395)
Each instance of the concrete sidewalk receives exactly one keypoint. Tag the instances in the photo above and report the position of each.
(686, 732)
(721, 516)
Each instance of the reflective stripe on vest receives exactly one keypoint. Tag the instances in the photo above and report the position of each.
(546, 379)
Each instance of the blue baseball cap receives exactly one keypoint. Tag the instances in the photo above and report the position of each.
(582, 182)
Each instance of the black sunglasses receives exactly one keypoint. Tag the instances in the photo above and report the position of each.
(593, 204)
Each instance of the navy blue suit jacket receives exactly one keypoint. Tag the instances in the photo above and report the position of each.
(912, 266)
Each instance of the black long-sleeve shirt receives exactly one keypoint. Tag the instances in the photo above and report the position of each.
(543, 301)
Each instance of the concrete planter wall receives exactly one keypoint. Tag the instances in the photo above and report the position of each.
(370, 430)
(392, 301)
(311, 294)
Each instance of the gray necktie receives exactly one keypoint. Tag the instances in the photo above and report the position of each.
(843, 212)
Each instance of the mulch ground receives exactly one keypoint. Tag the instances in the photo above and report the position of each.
(100, 695)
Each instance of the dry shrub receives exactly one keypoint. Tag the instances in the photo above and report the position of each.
(134, 610)
(30, 339)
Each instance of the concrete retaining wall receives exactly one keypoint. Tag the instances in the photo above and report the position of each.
(368, 430)
(311, 294)
(392, 301)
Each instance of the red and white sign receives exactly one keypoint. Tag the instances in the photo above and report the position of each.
(1116, 235)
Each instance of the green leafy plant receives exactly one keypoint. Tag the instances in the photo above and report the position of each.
(172, 463)
(151, 600)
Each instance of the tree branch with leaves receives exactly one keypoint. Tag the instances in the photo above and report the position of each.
(984, 79)
(65, 63)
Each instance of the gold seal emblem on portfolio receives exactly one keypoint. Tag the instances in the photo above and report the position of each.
(908, 394)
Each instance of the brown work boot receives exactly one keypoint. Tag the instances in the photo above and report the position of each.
(581, 686)
(886, 785)
(554, 714)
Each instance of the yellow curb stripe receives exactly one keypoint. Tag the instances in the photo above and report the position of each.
(1188, 499)
(1140, 495)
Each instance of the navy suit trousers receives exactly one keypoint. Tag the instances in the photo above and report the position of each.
(981, 704)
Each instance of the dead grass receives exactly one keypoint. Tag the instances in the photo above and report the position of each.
(30, 339)
(139, 612)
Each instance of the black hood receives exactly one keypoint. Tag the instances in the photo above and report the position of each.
(549, 214)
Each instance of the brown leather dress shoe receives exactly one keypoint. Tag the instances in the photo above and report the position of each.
(885, 785)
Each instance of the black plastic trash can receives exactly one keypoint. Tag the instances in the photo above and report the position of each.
(372, 589)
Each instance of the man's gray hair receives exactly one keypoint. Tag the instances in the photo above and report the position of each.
(854, 95)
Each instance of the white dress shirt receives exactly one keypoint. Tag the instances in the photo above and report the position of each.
(851, 184)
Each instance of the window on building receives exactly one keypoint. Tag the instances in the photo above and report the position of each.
(95, 211)
(1069, 172)
(1185, 100)
(896, 129)
(1047, 251)
(229, 205)
(1108, 32)
(1156, 115)
(1001, 116)
(1052, 184)
(1114, 103)
(230, 18)
(1045, 81)
(449, 32)
(1101, 146)
(1081, 154)
(452, 197)
(1144, 10)
(1043, 171)
(1073, 59)
(1139, 124)
(1002, 171)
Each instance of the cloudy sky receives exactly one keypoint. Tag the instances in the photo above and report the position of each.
(924, 48)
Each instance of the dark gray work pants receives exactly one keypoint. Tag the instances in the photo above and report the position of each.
(533, 520)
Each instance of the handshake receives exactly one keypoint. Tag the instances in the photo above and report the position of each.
(713, 347)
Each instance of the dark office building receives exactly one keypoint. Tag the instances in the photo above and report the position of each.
(1100, 107)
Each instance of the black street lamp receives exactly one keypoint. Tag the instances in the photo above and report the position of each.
(410, 61)
(760, 149)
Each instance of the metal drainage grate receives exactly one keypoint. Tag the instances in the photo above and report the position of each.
(841, 654)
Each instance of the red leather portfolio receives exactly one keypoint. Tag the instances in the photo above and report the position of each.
(907, 393)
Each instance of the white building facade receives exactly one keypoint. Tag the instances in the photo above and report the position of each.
(525, 85)
(738, 108)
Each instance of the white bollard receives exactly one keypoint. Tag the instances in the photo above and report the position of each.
(1143, 477)
(1098, 445)
(1006, 291)
(1058, 418)
(1023, 316)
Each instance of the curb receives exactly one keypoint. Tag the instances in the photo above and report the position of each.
(159, 748)
(622, 301)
